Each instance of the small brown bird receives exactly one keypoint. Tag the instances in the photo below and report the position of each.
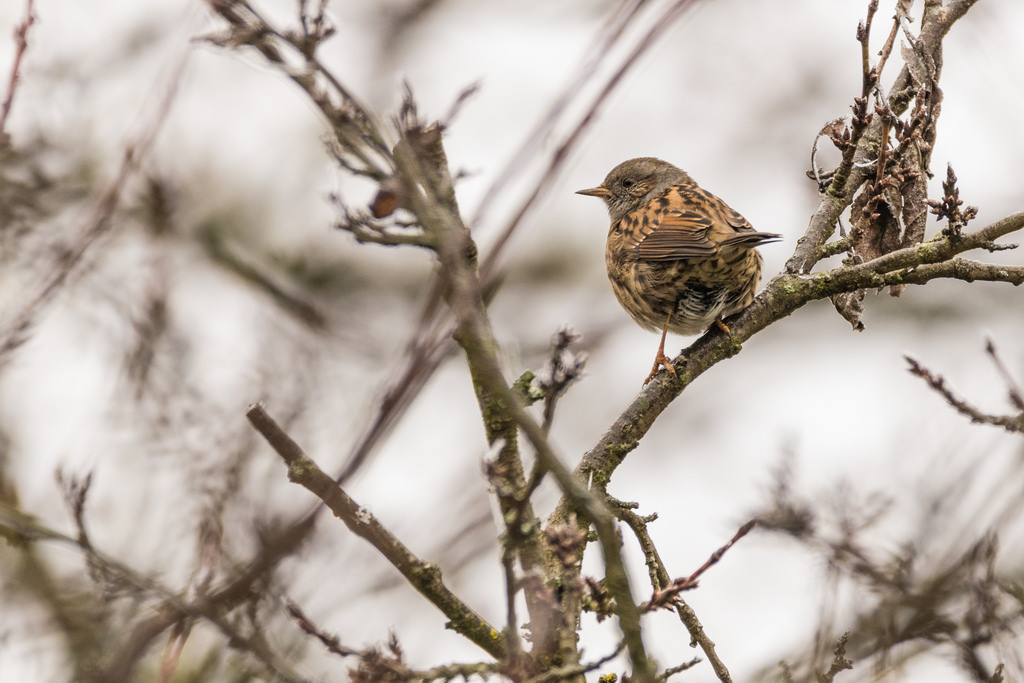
(679, 259)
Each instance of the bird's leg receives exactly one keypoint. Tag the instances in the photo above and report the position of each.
(661, 360)
(722, 326)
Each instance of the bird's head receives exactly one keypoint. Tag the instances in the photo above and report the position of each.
(633, 183)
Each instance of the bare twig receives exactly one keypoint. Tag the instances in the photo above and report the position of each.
(1014, 391)
(76, 492)
(513, 642)
(351, 122)
(423, 576)
(329, 641)
(20, 46)
(679, 668)
(938, 383)
(563, 369)
(717, 555)
(956, 269)
(949, 206)
(839, 660)
(668, 596)
(638, 525)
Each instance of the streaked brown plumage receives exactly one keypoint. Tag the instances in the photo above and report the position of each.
(679, 259)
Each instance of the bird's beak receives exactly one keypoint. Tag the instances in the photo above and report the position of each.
(600, 191)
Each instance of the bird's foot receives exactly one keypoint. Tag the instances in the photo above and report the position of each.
(722, 326)
(662, 361)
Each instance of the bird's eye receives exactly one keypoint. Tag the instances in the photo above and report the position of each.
(628, 182)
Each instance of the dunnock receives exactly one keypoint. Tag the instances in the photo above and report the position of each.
(679, 259)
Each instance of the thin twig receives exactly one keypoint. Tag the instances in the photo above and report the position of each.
(717, 555)
(638, 525)
(423, 576)
(20, 47)
(1013, 389)
(564, 368)
(668, 596)
(938, 383)
(330, 641)
(679, 668)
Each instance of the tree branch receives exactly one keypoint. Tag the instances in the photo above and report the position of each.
(1011, 423)
(425, 577)
(21, 46)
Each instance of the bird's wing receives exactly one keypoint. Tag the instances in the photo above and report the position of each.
(704, 227)
(677, 235)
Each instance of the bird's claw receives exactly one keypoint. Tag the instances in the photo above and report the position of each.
(662, 361)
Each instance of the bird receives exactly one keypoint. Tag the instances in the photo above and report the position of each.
(679, 258)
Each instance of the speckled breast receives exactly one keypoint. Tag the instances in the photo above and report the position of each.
(697, 292)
